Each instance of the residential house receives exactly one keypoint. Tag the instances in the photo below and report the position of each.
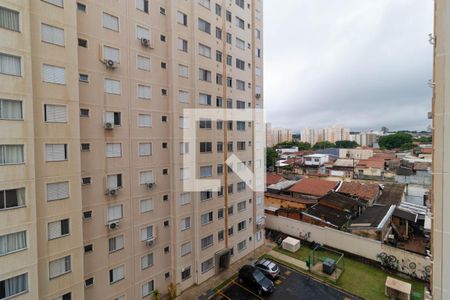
(313, 188)
(374, 222)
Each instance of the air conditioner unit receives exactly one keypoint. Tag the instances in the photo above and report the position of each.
(149, 184)
(150, 241)
(110, 64)
(145, 42)
(113, 225)
(109, 125)
(112, 192)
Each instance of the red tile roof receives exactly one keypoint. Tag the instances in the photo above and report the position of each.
(272, 178)
(313, 187)
(426, 150)
(371, 163)
(363, 191)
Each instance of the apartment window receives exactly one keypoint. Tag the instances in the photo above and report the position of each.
(52, 35)
(205, 3)
(219, 147)
(146, 261)
(230, 229)
(185, 198)
(221, 235)
(144, 121)
(10, 109)
(242, 225)
(204, 99)
(228, 16)
(145, 205)
(218, 10)
(240, 146)
(115, 212)
(185, 273)
(147, 233)
(163, 65)
(81, 7)
(86, 180)
(56, 152)
(207, 265)
(13, 242)
(11, 154)
(10, 65)
(116, 243)
(145, 149)
(240, 44)
(220, 192)
(229, 38)
(184, 148)
(186, 248)
(230, 187)
(164, 145)
(142, 32)
(204, 26)
(240, 23)
(206, 195)
(207, 242)
(230, 125)
(66, 296)
(60, 267)
(258, 52)
(240, 85)
(9, 19)
(112, 86)
(205, 123)
(240, 64)
(147, 288)
(162, 11)
(218, 56)
(114, 181)
(240, 105)
(83, 77)
(82, 43)
(258, 71)
(116, 274)
(84, 112)
(241, 186)
(59, 3)
(110, 53)
(258, 34)
(142, 5)
(88, 282)
(184, 173)
(143, 63)
(219, 169)
(229, 60)
(183, 71)
(240, 3)
(181, 18)
(113, 117)
(165, 171)
(53, 74)
(144, 92)
(206, 218)
(219, 125)
(205, 147)
(204, 50)
(219, 79)
(58, 229)
(146, 177)
(230, 145)
(218, 33)
(57, 191)
(183, 96)
(204, 75)
(242, 245)
(182, 45)
(183, 122)
(113, 150)
(206, 171)
(185, 223)
(13, 286)
(110, 22)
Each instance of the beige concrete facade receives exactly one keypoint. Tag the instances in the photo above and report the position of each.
(81, 179)
(441, 162)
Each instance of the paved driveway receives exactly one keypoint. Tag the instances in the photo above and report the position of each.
(291, 285)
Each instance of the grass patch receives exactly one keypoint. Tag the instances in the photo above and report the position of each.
(358, 278)
(224, 284)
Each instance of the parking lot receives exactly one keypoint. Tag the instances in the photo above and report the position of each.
(290, 285)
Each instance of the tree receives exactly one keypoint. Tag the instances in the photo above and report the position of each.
(290, 144)
(346, 144)
(271, 157)
(397, 140)
(323, 145)
(384, 129)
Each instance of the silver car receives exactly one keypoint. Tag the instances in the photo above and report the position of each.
(268, 267)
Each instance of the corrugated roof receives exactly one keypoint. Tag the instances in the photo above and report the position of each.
(313, 187)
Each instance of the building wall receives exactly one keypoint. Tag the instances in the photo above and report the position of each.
(441, 166)
(277, 202)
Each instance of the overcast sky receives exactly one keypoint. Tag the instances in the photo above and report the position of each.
(362, 63)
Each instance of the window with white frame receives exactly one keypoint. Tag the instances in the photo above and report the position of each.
(59, 267)
(55, 113)
(144, 91)
(10, 109)
(185, 198)
(207, 242)
(183, 71)
(183, 96)
(204, 75)
(240, 85)
(59, 3)
(13, 286)
(242, 245)
(114, 181)
(147, 233)
(11, 154)
(205, 3)
(110, 22)
(242, 225)
(182, 44)
(206, 171)
(204, 99)
(146, 261)
(12, 198)
(206, 218)
(145, 149)
(10, 65)
(182, 18)
(142, 32)
(240, 43)
(116, 243)
(146, 177)
(207, 265)
(116, 274)
(56, 152)
(112, 86)
(147, 288)
(144, 121)
(240, 23)
(13, 242)
(242, 205)
(111, 53)
(184, 122)
(113, 150)
(53, 74)
(143, 63)
(204, 50)
(115, 212)
(52, 35)
(186, 248)
(142, 5)
(185, 223)
(113, 117)
(206, 195)
(57, 190)
(240, 3)
(204, 26)
(184, 173)
(184, 148)
(145, 205)
(58, 229)
(9, 19)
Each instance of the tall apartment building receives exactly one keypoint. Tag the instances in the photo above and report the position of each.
(441, 167)
(91, 152)
(331, 134)
(277, 135)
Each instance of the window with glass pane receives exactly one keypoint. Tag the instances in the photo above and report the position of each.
(204, 26)
(145, 149)
(146, 261)
(204, 50)
(205, 3)
(58, 229)
(205, 195)
(183, 96)
(181, 18)
(116, 274)
(146, 205)
(110, 22)
(59, 3)
(207, 265)
(207, 241)
(185, 198)
(13, 286)
(10, 109)
(10, 65)
(145, 121)
(55, 113)
(142, 32)
(52, 35)
(147, 233)
(56, 152)
(147, 288)
(144, 91)
(13, 242)
(12, 198)
(57, 191)
(116, 243)
(185, 273)
(143, 63)
(115, 212)
(59, 267)
(11, 154)
(206, 171)
(185, 223)
(53, 74)
(9, 19)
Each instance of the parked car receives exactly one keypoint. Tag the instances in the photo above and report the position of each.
(268, 267)
(255, 279)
